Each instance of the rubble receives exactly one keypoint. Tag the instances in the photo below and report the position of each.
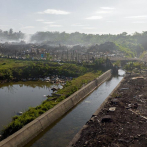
(114, 101)
(112, 109)
(106, 118)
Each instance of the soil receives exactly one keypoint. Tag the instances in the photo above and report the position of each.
(124, 125)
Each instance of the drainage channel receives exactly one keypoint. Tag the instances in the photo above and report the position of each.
(64, 129)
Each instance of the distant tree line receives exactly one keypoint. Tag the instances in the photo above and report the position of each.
(135, 42)
(82, 38)
(10, 35)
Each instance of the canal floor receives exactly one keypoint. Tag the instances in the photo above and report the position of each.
(63, 130)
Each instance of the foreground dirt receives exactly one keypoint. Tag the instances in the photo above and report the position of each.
(123, 120)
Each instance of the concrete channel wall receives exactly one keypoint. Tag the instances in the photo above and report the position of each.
(31, 130)
(78, 135)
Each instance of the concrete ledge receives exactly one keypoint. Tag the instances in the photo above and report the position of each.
(31, 130)
(23, 135)
(78, 135)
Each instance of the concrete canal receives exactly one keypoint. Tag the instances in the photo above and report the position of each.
(63, 130)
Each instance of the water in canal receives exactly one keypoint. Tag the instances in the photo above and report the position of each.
(62, 131)
(19, 96)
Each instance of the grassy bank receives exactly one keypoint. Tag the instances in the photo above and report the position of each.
(19, 121)
(12, 69)
(16, 69)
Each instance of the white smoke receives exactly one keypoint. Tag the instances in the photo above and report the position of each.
(27, 38)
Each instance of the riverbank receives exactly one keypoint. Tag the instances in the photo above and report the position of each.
(122, 120)
(54, 79)
(19, 70)
(15, 70)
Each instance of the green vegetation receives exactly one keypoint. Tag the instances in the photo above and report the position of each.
(117, 63)
(12, 63)
(48, 57)
(76, 84)
(82, 38)
(136, 43)
(134, 67)
(126, 51)
(143, 54)
(19, 121)
(114, 48)
(11, 69)
(17, 69)
(10, 35)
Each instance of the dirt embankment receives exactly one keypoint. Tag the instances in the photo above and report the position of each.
(123, 120)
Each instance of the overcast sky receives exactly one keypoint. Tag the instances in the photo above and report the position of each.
(85, 16)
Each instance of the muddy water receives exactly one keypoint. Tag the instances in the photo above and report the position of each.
(63, 130)
(19, 96)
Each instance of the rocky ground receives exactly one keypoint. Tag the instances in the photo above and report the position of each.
(123, 120)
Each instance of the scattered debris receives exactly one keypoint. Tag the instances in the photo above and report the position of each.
(134, 78)
(124, 88)
(115, 101)
(106, 118)
(112, 109)
(19, 113)
(54, 89)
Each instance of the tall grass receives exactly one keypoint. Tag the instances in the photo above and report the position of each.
(12, 69)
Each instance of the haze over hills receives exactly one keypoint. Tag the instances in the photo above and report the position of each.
(133, 45)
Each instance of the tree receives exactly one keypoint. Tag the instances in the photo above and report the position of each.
(10, 32)
(48, 57)
(27, 56)
(124, 33)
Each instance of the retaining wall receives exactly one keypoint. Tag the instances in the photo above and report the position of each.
(78, 135)
(31, 130)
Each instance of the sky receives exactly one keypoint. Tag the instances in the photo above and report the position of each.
(84, 16)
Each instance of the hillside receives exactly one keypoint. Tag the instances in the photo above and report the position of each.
(112, 48)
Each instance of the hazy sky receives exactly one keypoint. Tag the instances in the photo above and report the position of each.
(85, 16)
